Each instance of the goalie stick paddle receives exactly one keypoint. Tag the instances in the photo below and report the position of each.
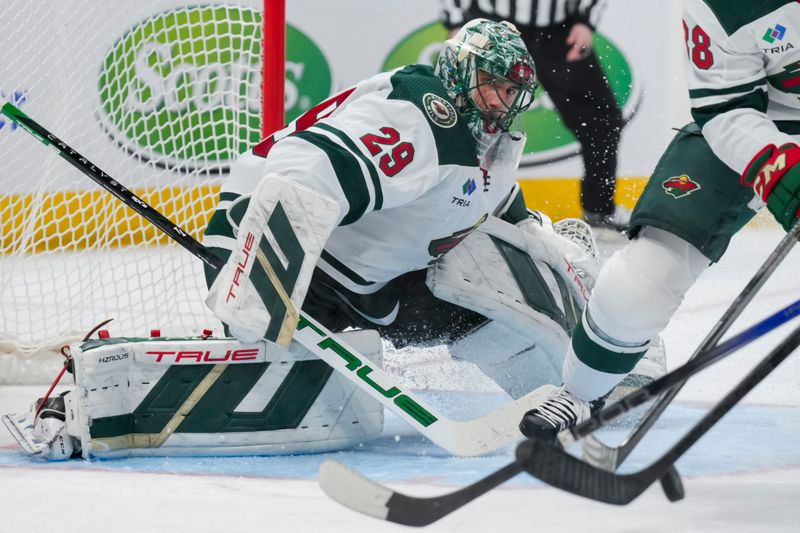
(465, 438)
(610, 457)
(551, 464)
(353, 490)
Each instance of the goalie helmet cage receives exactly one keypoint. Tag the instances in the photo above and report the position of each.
(162, 95)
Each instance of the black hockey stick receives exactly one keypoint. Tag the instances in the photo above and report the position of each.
(551, 464)
(353, 490)
(610, 457)
(127, 197)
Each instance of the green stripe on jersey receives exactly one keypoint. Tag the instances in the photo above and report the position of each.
(789, 127)
(517, 211)
(373, 173)
(733, 15)
(344, 270)
(756, 100)
(348, 172)
(743, 88)
(220, 222)
(454, 145)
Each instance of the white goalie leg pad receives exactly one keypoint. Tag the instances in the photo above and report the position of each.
(194, 397)
(495, 271)
(537, 238)
(568, 246)
(260, 289)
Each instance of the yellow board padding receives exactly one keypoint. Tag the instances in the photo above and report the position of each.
(560, 197)
(78, 220)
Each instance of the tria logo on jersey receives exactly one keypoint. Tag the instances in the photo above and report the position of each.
(469, 187)
(775, 34)
(680, 186)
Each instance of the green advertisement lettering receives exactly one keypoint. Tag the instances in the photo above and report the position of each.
(183, 87)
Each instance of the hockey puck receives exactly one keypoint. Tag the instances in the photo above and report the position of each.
(672, 484)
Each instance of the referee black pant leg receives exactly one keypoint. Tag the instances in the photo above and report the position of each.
(579, 91)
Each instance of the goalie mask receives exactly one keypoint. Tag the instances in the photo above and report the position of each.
(488, 71)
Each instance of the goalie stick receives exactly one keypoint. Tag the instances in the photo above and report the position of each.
(465, 438)
(556, 467)
(609, 458)
(353, 490)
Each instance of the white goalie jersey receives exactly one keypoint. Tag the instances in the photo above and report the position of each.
(744, 74)
(397, 158)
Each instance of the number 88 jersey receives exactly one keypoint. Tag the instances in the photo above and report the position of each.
(743, 73)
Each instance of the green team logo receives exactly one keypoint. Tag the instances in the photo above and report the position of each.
(440, 111)
(548, 138)
(182, 88)
(680, 186)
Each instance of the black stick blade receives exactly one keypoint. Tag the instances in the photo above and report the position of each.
(672, 485)
(554, 466)
(353, 490)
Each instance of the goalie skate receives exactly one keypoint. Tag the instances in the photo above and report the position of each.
(45, 434)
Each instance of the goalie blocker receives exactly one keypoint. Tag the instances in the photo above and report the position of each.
(193, 396)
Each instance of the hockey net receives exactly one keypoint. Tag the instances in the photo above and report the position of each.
(161, 95)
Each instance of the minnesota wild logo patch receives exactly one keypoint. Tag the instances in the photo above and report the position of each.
(680, 186)
(440, 111)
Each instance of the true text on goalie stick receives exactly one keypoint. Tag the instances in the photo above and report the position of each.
(465, 438)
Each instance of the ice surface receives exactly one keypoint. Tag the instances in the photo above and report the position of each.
(743, 476)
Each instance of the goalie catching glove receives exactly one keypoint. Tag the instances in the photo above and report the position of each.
(774, 174)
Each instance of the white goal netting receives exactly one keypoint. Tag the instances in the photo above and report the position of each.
(161, 95)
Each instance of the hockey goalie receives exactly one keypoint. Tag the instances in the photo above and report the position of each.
(510, 310)
(389, 211)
